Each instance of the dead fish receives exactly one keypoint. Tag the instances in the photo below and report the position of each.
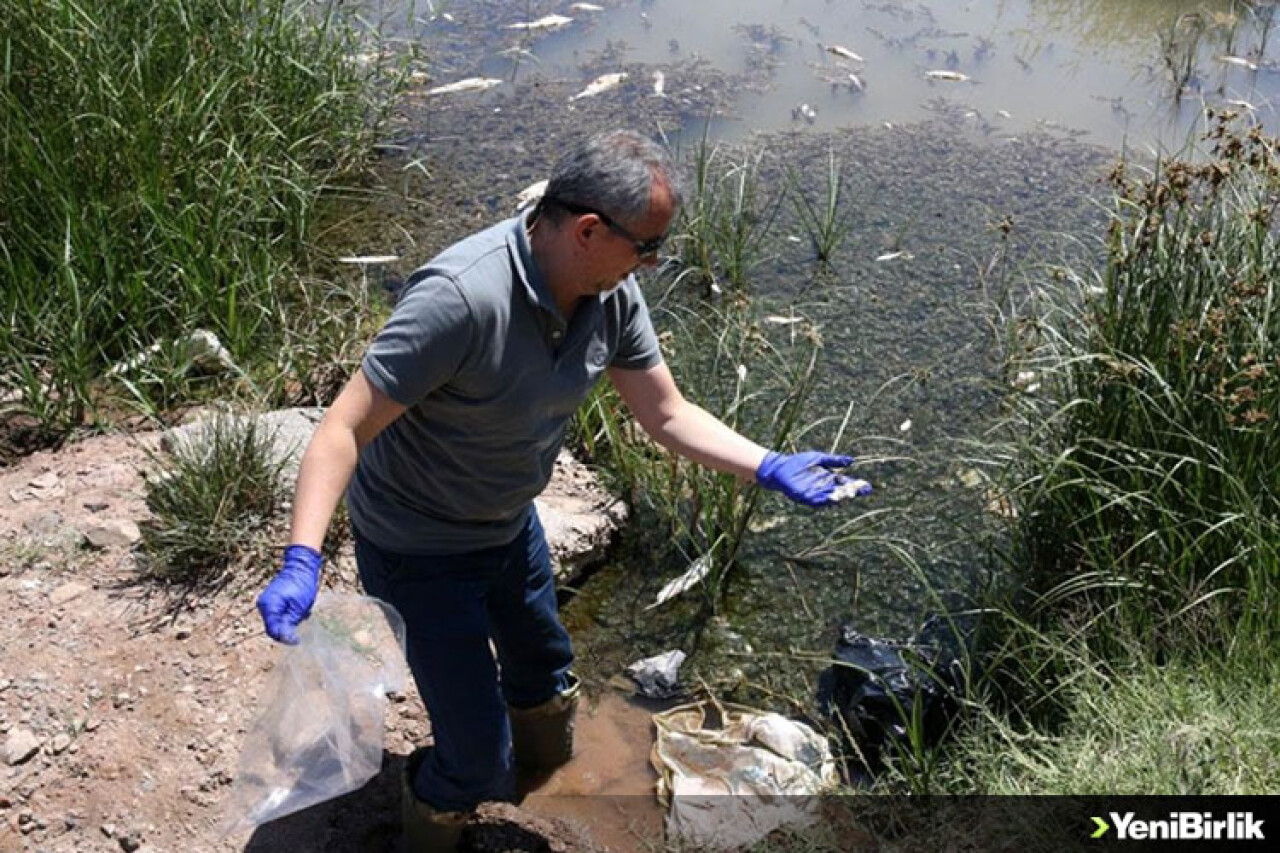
(1239, 60)
(659, 83)
(369, 259)
(585, 7)
(844, 53)
(951, 76)
(804, 111)
(1004, 114)
(698, 570)
(530, 194)
(905, 426)
(849, 488)
(893, 256)
(856, 82)
(603, 83)
(775, 320)
(550, 22)
(470, 84)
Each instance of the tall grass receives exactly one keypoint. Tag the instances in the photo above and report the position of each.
(1147, 481)
(161, 161)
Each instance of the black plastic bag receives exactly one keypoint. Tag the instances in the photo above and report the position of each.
(880, 686)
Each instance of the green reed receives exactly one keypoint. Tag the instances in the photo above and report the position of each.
(822, 220)
(721, 233)
(1146, 480)
(753, 382)
(161, 161)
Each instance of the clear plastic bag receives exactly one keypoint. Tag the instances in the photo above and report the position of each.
(320, 731)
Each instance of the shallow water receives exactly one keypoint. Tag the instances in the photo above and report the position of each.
(971, 187)
(1106, 69)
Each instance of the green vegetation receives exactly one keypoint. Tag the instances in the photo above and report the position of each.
(734, 370)
(1138, 647)
(721, 231)
(162, 163)
(213, 499)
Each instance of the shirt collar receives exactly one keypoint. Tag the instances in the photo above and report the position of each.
(531, 278)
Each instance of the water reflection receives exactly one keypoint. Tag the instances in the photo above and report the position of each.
(1119, 71)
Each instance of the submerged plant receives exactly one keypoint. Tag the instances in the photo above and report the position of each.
(749, 381)
(723, 226)
(824, 222)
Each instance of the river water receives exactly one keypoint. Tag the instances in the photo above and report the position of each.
(972, 138)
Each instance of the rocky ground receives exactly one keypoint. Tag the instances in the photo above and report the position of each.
(123, 711)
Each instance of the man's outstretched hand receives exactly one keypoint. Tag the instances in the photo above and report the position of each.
(288, 598)
(810, 477)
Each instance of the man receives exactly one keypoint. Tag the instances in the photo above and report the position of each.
(450, 429)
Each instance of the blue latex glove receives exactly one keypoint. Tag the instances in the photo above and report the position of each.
(806, 478)
(288, 598)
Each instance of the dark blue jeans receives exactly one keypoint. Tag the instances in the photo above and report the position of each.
(453, 606)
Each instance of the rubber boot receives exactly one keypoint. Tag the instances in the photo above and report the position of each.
(542, 736)
(424, 829)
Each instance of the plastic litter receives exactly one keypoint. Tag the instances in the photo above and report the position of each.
(729, 775)
(320, 732)
(658, 676)
(879, 684)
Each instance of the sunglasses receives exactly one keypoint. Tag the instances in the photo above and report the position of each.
(644, 248)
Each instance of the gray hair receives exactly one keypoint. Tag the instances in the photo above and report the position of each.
(612, 172)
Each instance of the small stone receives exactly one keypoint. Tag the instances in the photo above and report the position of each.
(60, 743)
(20, 746)
(109, 830)
(66, 592)
(129, 843)
(47, 480)
(113, 532)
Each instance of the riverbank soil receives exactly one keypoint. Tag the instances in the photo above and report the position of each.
(123, 711)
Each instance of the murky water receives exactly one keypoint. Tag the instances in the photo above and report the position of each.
(955, 191)
(1119, 71)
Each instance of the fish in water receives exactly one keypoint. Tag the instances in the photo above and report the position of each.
(952, 76)
(585, 7)
(855, 82)
(844, 53)
(603, 83)
(659, 83)
(1239, 60)
(893, 256)
(470, 84)
(776, 320)
(550, 22)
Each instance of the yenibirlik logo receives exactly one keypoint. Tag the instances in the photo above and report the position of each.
(1183, 826)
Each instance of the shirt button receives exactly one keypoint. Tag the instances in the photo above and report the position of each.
(555, 336)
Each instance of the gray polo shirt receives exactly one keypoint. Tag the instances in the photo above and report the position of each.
(491, 373)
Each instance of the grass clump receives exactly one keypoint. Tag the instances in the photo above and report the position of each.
(1146, 483)
(162, 160)
(212, 502)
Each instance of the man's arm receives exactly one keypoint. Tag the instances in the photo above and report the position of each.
(360, 413)
(681, 426)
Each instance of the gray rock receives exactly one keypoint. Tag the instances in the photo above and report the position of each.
(20, 746)
(67, 592)
(113, 532)
(290, 431)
